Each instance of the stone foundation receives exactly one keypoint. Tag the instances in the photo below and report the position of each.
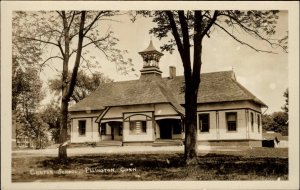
(250, 143)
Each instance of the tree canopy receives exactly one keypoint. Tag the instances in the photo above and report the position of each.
(67, 36)
(285, 107)
(85, 84)
(188, 28)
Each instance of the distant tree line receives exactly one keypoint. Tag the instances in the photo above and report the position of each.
(40, 124)
(278, 121)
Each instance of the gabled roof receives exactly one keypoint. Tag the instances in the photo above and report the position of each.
(214, 87)
(132, 92)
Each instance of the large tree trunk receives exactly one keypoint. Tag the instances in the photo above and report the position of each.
(190, 152)
(62, 150)
(68, 84)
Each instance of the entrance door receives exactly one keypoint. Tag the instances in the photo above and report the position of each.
(166, 132)
(165, 128)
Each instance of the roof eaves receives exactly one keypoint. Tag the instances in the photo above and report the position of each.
(252, 96)
(102, 115)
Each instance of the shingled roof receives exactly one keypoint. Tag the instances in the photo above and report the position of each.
(214, 87)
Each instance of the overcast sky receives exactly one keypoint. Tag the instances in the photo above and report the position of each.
(265, 75)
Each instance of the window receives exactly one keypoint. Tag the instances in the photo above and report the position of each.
(81, 127)
(258, 123)
(231, 119)
(138, 127)
(204, 122)
(252, 121)
(103, 129)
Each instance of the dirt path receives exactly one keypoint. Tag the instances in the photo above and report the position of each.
(117, 150)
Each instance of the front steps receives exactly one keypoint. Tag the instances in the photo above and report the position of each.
(167, 142)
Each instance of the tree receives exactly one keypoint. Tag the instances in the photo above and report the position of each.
(280, 122)
(69, 33)
(26, 103)
(27, 87)
(267, 122)
(51, 116)
(188, 29)
(285, 107)
(85, 84)
(277, 122)
(24, 56)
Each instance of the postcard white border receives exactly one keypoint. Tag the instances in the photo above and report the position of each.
(8, 6)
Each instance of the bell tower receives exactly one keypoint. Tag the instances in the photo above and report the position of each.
(151, 59)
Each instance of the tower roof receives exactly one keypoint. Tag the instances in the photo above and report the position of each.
(151, 48)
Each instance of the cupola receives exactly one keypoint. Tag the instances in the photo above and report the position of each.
(151, 59)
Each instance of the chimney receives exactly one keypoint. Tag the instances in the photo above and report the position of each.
(172, 72)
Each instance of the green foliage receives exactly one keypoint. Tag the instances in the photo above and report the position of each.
(67, 35)
(188, 28)
(50, 115)
(260, 25)
(85, 84)
(26, 89)
(27, 95)
(27, 86)
(25, 76)
(278, 122)
(45, 30)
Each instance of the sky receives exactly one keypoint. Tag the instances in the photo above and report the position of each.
(263, 74)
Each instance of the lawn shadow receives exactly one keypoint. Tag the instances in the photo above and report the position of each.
(239, 165)
(157, 167)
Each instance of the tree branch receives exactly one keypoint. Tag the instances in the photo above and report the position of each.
(185, 31)
(198, 24)
(252, 32)
(97, 46)
(38, 40)
(73, 15)
(87, 64)
(93, 22)
(95, 41)
(59, 13)
(175, 32)
(53, 57)
(212, 21)
(60, 48)
(78, 55)
(241, 42)
(186, 45)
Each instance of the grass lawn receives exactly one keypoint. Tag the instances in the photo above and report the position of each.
(251, 164)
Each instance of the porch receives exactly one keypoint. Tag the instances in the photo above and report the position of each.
(169, 129)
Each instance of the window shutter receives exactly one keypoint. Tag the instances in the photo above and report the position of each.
(138, 127)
